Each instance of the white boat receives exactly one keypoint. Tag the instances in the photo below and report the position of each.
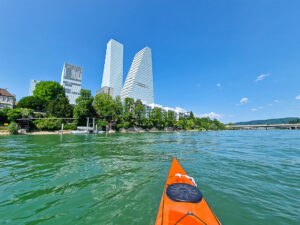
(80, 132)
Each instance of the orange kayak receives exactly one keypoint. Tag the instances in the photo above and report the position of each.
(182, 203)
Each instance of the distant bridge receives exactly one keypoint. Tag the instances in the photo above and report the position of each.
(267, 126)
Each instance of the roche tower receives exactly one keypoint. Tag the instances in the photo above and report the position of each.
(139, 81)
(113, 67)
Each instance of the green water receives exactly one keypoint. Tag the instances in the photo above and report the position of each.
(247, 177)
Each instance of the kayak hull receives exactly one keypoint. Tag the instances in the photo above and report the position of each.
(182, 213)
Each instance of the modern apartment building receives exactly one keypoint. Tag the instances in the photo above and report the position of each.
(33, 83)
(7, 99)
(113, 67)
(71, 77)
(139, 81)
(178, 112)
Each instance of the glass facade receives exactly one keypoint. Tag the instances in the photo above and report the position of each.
(113, 67)
(71, 79)
(139, 81)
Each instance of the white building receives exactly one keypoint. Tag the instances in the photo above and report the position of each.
(178, 112)
(139, 81)
(113, 67)
(106, 90)
(33, 83)
(71, 77)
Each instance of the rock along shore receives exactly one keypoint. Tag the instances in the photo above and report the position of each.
(129, 130)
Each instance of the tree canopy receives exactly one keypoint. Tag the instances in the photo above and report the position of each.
(49, 90)
(105, 106)
(84, 107)
(50, 97)
(19, 113)
(60, 108)
(32, 102)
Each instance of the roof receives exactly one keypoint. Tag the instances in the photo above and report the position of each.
(4, 92)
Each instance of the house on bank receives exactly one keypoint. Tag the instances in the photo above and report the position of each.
(7, 99)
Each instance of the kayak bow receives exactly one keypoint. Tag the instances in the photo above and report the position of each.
(182, 203)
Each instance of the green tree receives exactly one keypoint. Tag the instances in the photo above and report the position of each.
(118, 110)
(219, 125)
(128, 110)
(32, 102)
(139, 113)
(105, 106)
(102, 124)
(48, 124)
(60, 108)
(156, 117)
(190, 124)
(13, 128)
(180, 124)
(18, 113)
(294, 121)
(205, 123)
(191, 115)
(49, 90)
(169, 119)
(84, 107)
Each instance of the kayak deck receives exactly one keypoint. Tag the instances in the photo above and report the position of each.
(182, 211)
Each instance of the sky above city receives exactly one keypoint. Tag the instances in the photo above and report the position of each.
(233, 60)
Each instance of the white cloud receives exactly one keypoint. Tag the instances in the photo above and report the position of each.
(262, 76)
(218, 85)
(261, 107)
(198, 85)
(243, 100)
(212, 115)
(298, 97)
(276, 101)
(254, 110)
(270, 104)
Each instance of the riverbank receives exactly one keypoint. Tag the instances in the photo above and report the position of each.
(3, 133)
(129, 130)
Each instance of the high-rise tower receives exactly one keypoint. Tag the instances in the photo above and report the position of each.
(71, 77)
(139, 81)
(113, 67)
(33, 83)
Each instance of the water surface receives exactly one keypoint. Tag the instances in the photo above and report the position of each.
(247, 177)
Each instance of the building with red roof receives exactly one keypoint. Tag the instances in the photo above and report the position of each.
(6, 99)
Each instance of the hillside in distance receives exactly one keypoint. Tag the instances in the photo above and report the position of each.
(268, 121)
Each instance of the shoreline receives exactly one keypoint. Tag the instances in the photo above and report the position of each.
(128, 131)
(6, 133)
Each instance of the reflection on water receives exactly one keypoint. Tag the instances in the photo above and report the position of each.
(248, 177)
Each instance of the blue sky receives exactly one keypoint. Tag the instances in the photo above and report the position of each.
(207, 55)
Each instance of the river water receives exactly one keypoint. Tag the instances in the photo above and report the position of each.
(247, 177)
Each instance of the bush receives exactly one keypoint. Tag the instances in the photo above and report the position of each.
(70, 126)
(48, 124)
(19, 113)
(101, 124)
(13, 128)
(38, 115)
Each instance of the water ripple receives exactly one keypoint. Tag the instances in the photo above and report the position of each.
(248, 177)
